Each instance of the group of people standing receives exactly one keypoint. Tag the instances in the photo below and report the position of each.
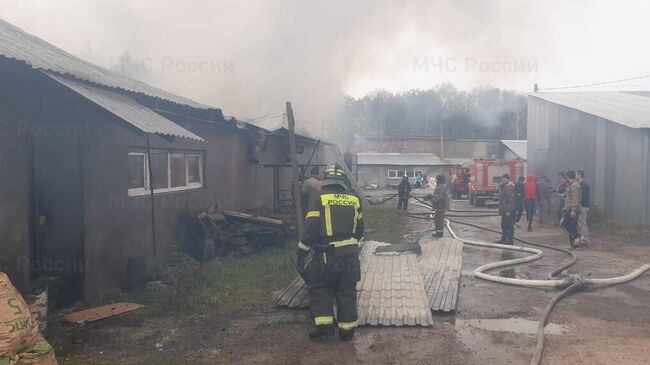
(530, 195)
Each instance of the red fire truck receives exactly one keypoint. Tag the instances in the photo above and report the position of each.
(486, 176)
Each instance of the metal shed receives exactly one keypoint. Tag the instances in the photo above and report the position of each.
(606, 134)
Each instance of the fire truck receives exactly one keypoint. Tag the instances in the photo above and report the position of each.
(486, 176)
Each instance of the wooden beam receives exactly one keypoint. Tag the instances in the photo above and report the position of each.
(294, 167)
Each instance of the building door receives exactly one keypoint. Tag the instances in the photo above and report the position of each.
(57, 216)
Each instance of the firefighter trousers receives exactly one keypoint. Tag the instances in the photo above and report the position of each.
(440, 222)
(334, 280)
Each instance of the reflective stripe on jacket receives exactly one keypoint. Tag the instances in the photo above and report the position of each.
(335, 217)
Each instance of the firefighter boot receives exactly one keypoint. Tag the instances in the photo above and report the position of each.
(346, 335)
(322, 331)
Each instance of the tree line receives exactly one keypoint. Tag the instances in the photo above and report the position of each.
(482, 113)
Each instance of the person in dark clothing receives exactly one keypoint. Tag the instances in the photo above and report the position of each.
(530, 199)
(328, 255)
(519, 198)
(440, 203)
(585, 202)
(507, 209)
(404, 193)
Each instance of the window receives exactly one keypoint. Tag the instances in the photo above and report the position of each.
(159, 167)
(398, 174)
(137, 172)
(178, 170)
(170, 171)
(194, 171)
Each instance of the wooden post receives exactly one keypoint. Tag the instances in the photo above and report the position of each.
(297, 201)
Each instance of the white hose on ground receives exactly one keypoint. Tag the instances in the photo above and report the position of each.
(479, 272)
(570, 285)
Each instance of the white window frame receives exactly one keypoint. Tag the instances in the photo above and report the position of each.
(400, 173)
(145, 170)
(169, 188)
(193, 185)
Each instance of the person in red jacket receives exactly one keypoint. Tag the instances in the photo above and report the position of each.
(530, 199)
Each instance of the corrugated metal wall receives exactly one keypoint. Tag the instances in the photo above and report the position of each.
(614, 157)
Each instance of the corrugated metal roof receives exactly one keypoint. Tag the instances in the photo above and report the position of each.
(390, 292)
(517, 146)
(399, 159)
(441, 264)
(128, 109)
(20, 45)
(623, 108)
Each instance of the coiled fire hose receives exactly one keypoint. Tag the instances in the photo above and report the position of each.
(570, 284)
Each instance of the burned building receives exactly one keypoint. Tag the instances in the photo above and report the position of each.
(102, 171)
(606, 134)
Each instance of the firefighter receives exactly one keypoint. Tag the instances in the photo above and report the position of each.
(440, 203)
(404, 193)
(328, 254)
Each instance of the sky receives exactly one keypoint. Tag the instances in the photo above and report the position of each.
(248, 57)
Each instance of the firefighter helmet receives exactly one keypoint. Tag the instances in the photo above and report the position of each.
(335, 175)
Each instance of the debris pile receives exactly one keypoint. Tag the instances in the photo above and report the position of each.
(226, 231)
(21, 342)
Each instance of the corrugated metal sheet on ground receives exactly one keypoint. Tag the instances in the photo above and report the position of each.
(127, 109)
(22, 46)
(390, 292)
(441, 264)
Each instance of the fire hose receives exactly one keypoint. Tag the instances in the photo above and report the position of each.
(570, 284)
(381, 201)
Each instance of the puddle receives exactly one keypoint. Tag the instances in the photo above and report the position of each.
(514, 325)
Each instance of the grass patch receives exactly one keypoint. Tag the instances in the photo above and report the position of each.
(388, 223)
(222, 286)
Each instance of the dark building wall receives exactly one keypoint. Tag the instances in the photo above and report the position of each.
(120, 227)
(14, 198)
(113, 226)
(40, 122)
(614, 157)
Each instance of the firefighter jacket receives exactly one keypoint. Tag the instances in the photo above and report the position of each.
(440, 197)
(573, 197)
(334, 221)
(507, 198)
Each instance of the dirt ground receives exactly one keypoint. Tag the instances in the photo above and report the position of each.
(493, 324)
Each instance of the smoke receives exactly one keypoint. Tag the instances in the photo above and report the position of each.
(249, 57)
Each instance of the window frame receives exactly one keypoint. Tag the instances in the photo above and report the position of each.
(145, 169)
(134, 192)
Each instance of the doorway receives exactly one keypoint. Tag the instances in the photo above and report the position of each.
(57, 210)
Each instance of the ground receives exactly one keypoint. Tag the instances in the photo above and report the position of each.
(227, 313)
